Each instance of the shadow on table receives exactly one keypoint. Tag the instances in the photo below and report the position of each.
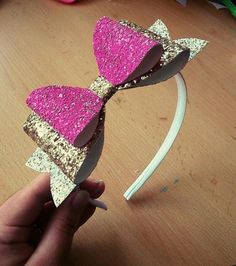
(154, 195)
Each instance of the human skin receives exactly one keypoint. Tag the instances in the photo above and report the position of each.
(34, 232)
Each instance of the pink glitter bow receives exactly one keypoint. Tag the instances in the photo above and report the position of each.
(68, 122)
(119, 51)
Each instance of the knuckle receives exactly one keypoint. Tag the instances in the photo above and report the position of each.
(6, 236)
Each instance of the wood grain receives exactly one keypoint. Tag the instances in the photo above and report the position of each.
(186, 214)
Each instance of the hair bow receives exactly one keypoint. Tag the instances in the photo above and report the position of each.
(67, 123)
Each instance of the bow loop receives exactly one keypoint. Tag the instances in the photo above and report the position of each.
(123, 54)
(68, 110)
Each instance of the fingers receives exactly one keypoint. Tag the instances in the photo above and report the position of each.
(95, 188)
(14, 234)
(58, 235)
(89, 211)
(23, 207)
(45, 215)
(18, 254)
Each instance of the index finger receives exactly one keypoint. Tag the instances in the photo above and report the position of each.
(22, 208)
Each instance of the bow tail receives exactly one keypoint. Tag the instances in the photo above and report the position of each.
(61, 185)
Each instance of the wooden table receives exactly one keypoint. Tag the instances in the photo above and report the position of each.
(186, 214)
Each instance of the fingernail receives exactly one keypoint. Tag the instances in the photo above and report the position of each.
(81, 199)
(99, 181)
(98, 203)
(99, 185)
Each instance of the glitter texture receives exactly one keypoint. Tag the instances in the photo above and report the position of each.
(67, 157)
(176, 52)
(40, 162)
(195, 45)
(102, 87)
(160, 29)
(61, 186)
(68, 110)
(119, 50)
(148, 33)
(171, 50)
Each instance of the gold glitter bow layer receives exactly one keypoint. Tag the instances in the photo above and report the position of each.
(66, 156)
(175, 56)
(65, 163)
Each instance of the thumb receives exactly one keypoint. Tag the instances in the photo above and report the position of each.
(57, 238)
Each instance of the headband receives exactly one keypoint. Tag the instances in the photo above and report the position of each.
(67, 123)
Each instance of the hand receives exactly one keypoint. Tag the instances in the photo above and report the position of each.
(34, 232)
